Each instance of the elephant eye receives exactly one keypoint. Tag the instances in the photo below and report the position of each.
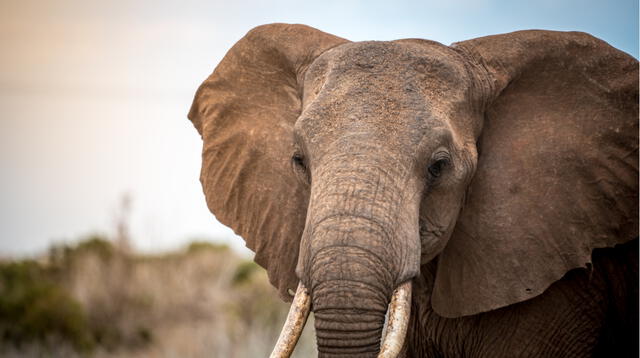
(298, 160)
(300, 168)
(435, 169)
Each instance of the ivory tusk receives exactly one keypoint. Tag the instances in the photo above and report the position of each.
(296, 319)
(399, 312)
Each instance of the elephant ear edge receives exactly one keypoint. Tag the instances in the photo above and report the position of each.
(557, 173)
(245, 112)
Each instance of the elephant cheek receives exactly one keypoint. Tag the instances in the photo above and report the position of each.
(436, 224)
(430, 248)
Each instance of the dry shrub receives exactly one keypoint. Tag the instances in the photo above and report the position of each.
(200, 302)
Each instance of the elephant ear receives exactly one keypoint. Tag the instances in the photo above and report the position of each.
(557, 171)
(245, 112)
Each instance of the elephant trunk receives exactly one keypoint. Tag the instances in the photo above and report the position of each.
(349, 305)
(393, 340)
(350, 313)
(360, 243)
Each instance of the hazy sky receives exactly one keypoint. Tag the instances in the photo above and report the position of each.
(94, 96)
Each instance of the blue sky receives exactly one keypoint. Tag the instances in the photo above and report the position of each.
(94, 96)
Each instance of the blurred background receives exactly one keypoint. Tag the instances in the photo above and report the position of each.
(107, 247)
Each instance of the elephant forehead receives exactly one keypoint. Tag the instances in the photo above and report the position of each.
(386, 79)
(379, 56)
(378, 123)
(386, 88)
(403, 60)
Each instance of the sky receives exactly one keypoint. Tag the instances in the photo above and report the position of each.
(94, 97)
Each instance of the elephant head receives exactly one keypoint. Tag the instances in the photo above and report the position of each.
(346, 165)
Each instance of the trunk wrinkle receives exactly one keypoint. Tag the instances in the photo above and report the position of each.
(367, 218)
(340, 265)
(328, 290)
(362, 259)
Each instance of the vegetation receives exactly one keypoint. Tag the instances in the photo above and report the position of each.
(33, 307)
(93, 299)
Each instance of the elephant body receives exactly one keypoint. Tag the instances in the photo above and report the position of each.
(496, 179)
(588, 313)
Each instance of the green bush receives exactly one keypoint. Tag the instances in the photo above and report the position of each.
(62, 257)
(97, 245)
(34, 308)
(199, 246)
(243, 272)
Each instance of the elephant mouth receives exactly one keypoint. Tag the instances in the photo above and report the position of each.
(392, 339)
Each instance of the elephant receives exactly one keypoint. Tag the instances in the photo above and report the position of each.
(478, 199)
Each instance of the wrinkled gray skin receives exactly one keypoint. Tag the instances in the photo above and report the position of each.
(368, 162)
(483, 173)
(590, 313)
(378, 201)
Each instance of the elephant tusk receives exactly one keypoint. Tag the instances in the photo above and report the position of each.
(399, 311)
(296, 319)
